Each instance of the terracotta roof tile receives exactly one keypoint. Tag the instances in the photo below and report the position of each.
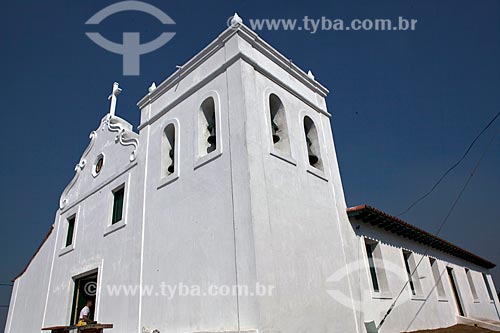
(395, 225)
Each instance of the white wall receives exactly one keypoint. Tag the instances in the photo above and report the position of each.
(188, 235)
(421, 311)
(294, 218)
(29, 294)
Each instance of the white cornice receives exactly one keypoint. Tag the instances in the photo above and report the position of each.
(87, 194)
(256, 42)
(195, 87)
(261, 45)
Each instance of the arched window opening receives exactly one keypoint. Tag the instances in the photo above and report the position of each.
(279, 128)
(169, 151)
(207, 127)
(313, 146)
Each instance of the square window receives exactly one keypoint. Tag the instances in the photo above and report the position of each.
(488, 288)
(71, 230)
(370, 250)
(413, 277)
(472, 286)
(379, 283)
(118, 197)
(438, 282)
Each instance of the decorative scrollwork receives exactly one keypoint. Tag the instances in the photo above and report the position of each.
(125, 136)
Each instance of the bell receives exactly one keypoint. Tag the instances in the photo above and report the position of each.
(171, 166)
(313, 159)
(211, 139)
(276, 137)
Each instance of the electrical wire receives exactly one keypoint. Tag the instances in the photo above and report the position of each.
(457, 163)
(464, 187)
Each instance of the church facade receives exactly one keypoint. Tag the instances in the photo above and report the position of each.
(225, 212)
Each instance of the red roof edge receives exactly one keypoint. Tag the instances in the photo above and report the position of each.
(367, 214)
(36, 252)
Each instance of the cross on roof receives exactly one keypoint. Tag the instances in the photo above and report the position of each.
(116, 91)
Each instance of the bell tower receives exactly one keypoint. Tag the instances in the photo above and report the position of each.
(255, 198)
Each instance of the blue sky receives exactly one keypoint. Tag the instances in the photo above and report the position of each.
(405, 105)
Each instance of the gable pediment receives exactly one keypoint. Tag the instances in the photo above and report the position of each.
(115, 143)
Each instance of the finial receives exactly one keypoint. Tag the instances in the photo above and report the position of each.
(152, 87)
(115, 92)
(236, 20)
(310, 74)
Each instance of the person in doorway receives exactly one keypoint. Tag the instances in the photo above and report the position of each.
(84, 314)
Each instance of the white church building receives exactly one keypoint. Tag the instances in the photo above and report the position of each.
(232, 179)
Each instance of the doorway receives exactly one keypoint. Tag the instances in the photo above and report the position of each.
(85, 289)
(456, 294)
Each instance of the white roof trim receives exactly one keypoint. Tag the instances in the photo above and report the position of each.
(253, 39)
